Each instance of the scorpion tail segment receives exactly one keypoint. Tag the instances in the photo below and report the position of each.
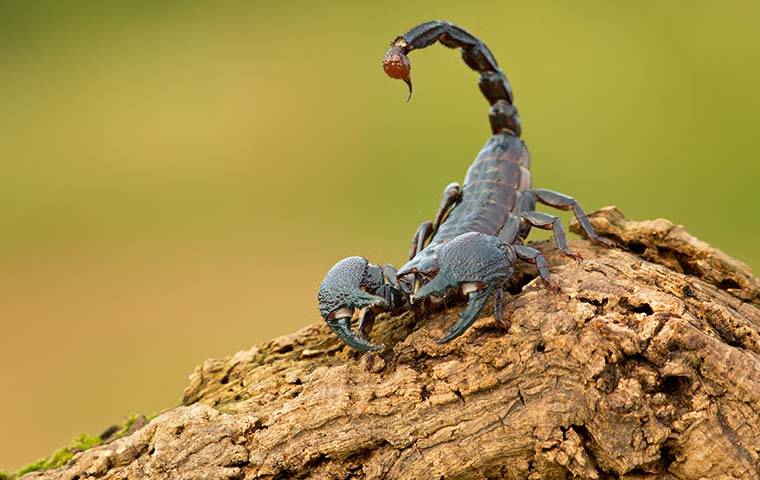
(493, 84)
(342, 328)
(477, 300)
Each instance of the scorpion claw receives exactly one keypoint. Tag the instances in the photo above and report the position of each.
(477, 301)
(342, 328)
(355, 284)
(476, 263)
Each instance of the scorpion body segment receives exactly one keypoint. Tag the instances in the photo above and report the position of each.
(478, 231)
(490, 191)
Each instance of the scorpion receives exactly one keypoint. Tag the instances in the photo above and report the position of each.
(477, 234)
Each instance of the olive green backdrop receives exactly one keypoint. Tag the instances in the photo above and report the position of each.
(178, 176)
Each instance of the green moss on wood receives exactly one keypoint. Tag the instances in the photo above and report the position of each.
(130, 420)
(80, 443)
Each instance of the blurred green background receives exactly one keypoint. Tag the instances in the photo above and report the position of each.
(178, 176)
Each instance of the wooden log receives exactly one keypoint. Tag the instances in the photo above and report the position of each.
(645, 365)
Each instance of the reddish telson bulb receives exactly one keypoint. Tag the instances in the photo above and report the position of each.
(396, 65)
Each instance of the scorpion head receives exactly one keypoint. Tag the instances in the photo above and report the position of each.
(419, 271)
(355, 284)
(474, 263)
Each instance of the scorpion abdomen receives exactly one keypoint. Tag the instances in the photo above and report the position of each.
(494, 182)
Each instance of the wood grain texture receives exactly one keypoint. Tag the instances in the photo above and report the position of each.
(645, 365)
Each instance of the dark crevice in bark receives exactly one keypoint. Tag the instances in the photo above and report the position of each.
(636, 247)
(727, 284)
(516, 285)
(644, 308)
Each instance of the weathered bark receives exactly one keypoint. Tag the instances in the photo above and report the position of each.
(645, 365)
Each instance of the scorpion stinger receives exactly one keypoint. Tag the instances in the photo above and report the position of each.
(396, 65)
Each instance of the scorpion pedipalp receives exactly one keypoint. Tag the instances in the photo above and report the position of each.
(342, 328)
(355, 284)
(477, 300)
(475, 262)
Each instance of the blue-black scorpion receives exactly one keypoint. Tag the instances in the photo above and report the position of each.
(479, 229)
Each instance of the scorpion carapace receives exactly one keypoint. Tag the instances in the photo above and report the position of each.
(478, 232)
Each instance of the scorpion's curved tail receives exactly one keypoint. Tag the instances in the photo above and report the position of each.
(475, 54)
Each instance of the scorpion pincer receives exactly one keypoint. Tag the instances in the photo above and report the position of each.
(479, 229)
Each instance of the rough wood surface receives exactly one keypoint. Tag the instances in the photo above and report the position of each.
(645, 365)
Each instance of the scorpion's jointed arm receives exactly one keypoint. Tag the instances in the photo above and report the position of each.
(493, 83)
(353, 284)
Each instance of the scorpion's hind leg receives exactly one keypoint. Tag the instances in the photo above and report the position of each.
(565, 202)
(550, 222)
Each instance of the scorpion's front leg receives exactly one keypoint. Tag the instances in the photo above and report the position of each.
(451, 195)
(423, 233)
(565, 202)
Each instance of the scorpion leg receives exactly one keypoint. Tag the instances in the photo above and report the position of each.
(550, 222)
(451, 195)
(565, 202)
(531, 255)
(498, 306)
(514, 227)
(366, 322)
(389, 271)
(424, 231)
